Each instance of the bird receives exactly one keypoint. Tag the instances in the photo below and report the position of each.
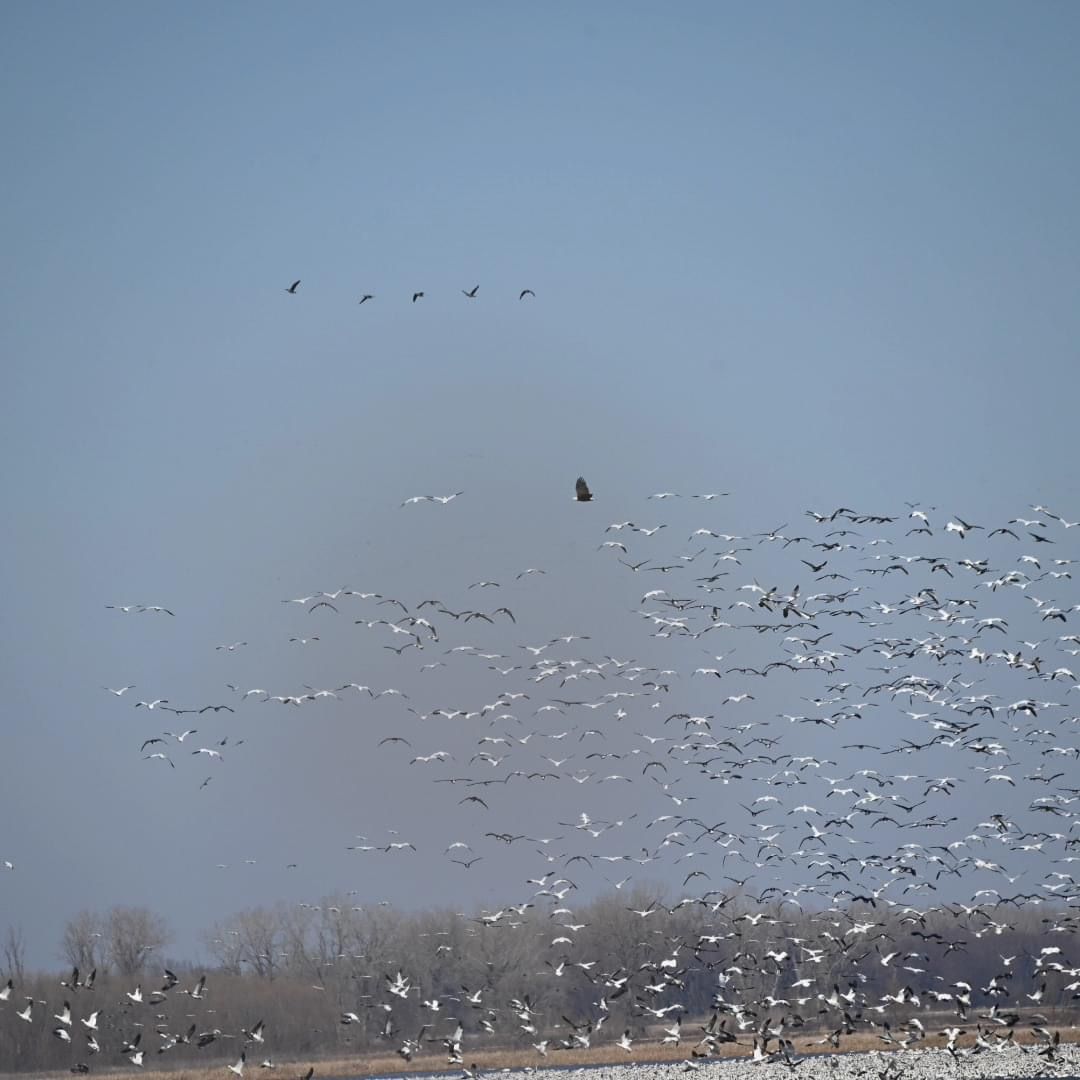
(366, 297)
(293, 287)
(581, 490)
(417, 296)
(471, 294)
(526, 292)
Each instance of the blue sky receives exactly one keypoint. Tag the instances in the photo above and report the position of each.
(810, 255)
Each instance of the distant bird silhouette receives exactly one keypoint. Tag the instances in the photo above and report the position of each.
(583, 494)
(472, 295)
(293, 287)
(526, 292)
(416, 296)
(366, 297)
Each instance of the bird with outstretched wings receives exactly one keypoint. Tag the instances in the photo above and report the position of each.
(582, 490)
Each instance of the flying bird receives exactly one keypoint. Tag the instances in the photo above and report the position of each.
(416, 296)
(293, 287)
(526, 292)
(471, 294)
(583, 494)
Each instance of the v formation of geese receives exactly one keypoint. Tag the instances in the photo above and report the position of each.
(890, 755)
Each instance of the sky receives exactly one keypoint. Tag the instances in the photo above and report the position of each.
(809, 255)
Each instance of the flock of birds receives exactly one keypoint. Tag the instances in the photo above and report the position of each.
(470, 294)
(130, 1047)
(893, 729)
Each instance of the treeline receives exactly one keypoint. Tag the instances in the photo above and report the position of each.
(302, 969)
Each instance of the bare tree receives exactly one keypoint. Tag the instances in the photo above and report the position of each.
(14, 954)
(81, 945)
(133, 935)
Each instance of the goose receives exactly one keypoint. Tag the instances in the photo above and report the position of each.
(238, 1068)
(194, 731)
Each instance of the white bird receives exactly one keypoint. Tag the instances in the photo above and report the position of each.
(238, 1068)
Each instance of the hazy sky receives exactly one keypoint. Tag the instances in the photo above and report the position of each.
(812, 255)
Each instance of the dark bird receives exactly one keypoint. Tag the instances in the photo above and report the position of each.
(416, 296)
(526, 292)
(366, 297)
(583, 494)
(293, 287)
(472, 294)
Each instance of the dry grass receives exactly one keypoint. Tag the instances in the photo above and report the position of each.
(647, 1052)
